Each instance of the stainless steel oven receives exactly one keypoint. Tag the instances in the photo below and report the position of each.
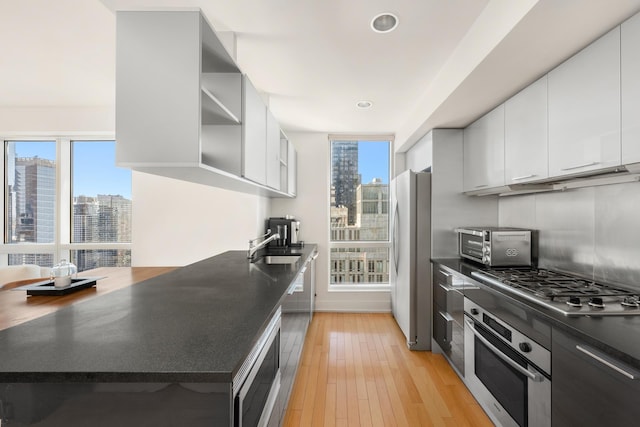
(507, 372)
(257, 383)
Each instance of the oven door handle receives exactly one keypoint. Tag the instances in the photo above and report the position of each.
(533, 376)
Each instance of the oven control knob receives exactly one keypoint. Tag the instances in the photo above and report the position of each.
(596, 302)
(525, 347)
(474, 311)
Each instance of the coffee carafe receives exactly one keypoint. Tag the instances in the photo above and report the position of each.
(289, 230)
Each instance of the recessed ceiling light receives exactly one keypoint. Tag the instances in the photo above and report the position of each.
(364, 104)
(384, 22)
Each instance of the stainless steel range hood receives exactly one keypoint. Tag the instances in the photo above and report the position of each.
(615, 175)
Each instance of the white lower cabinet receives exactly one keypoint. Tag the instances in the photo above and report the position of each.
(584, 109)
(526, 136)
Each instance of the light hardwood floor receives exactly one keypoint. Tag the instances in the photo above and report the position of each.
(357, 371)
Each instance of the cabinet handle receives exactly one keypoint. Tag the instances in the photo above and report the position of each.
(317, 254)
(518, 178)
(482, 185)
(292, 288)
(627, 371)
(534, 376)
(444, 273)
(446, 316)
(446, 288)
(580, 166)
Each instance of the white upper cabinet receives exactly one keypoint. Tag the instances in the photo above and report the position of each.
(584, 109)
(157, 89)
(184, 109)
(483, 153)
(273, 152)
(292, 170)
(254, 134)
(526, 135)
(630, 85)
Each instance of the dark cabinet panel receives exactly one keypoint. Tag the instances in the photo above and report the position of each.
(448, 315)
(589, 387)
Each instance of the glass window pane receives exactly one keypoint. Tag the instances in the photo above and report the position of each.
(359, 190)
(43, 260)
(101, 195)
(360, 211)
(30, 191)
(87, 259)
(359, 265)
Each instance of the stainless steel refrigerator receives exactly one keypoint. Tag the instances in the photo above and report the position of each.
(411, 257)
(430, 206)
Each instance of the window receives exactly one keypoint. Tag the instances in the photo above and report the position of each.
(101, 205)
(359, 213)
(30, 198)
(65, 199)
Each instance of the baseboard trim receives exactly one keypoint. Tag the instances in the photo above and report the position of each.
(354, 306)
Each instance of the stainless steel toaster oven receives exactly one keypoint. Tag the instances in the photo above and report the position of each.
(496, 247)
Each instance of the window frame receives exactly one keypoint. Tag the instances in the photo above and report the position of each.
(363, 244)
(63, 207)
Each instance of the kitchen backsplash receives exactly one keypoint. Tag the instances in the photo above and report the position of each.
(593, 232)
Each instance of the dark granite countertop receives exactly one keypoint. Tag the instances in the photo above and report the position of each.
(194, 324)
(618, 336)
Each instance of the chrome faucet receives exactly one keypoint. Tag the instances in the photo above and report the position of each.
(255, 247)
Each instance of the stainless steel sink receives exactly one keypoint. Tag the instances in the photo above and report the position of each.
(279, 259)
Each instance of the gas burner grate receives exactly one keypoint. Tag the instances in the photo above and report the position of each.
(569, 295)
(550, 284)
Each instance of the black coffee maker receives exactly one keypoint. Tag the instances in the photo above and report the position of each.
(288, 228)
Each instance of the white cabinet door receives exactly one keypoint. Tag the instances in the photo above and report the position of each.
(273, 152)
(157, 89)
(630, 85)
(526, 136)
(483, 155)
(292, 170)
(584, 109)
(254, 130)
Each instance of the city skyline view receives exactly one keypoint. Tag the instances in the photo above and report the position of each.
(94, 170)
(101, 205)
(359, 211)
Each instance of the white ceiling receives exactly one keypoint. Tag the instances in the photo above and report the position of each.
(448, 62)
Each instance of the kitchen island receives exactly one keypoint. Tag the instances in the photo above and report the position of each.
(163, 352)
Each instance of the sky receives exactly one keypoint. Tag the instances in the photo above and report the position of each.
(94, 170)
(373, 160)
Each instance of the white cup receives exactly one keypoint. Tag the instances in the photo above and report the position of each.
(62, 281)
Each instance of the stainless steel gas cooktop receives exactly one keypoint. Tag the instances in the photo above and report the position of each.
(569, 295)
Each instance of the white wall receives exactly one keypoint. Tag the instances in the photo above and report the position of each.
(177, 223)
(311, 207)
(52, 121)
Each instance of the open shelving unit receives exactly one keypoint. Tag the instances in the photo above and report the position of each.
(188, 113)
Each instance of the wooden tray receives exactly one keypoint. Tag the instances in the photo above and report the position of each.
(47, 287)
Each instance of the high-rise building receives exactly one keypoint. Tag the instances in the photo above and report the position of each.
(345, 177)
(31, 183)
(103, 219)
(31, 217)
(357, 265)
(372, 201)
